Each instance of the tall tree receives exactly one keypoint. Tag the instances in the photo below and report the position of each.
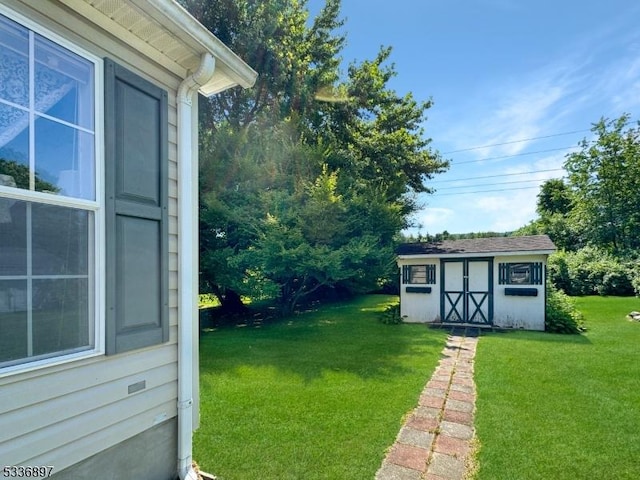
(556, 219)
(605, 179)
(307, 177)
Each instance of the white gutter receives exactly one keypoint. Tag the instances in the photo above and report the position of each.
(188, 258)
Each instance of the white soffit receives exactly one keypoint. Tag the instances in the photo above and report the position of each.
(165, 32)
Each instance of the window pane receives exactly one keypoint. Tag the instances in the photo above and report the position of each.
(14, 63)
(520, 273)
(14, 147)
(63, 84)
(64, 160)
(61, 317)
(60, 240)
(418, 274)
(13, 238)
(13, 320)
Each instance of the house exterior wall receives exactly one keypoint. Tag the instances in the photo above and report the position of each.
(62, 414)
(509, 311)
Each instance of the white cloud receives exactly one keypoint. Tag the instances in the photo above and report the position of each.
(431, 216)
(510, 212)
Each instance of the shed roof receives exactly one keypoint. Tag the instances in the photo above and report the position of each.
(528, 244)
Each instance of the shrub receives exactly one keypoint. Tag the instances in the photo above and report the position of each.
(562, 315)
(634, 269)
(391, 315)
(591, 271)
(558, 270)
(616, 281)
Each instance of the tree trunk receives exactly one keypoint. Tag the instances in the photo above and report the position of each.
(231, 302)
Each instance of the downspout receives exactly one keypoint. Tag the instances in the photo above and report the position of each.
(188, 259)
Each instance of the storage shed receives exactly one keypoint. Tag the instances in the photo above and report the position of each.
(496, 281)
(99, 234)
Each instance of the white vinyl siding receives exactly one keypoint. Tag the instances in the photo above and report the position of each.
(77, 409)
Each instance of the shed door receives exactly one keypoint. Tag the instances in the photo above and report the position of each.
(467, 291)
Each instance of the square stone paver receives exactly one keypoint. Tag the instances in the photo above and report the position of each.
(415, 437)
(462, 388)
(409, 456)
(463, 396)
(389, 471)
(434, 392)
(456, 447)
(441, 378)
(429, 401)
(455, 416)
(459, 405)
(431, 476)
(426, 424)
(446, 466)
(457, 430)
(438, 384)
(427, 412)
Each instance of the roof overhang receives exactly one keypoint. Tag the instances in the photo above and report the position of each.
(475, 254)
(166, 33)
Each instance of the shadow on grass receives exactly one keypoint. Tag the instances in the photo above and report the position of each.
(346, 338)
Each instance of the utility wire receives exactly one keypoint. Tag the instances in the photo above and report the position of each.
(486, 191)
(526, 139)
(515, 141)
(493, 184)
(454, 163)
(498, 175)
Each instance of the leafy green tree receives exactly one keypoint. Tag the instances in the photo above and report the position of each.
(306, 178)
(306, 245)
(604, 177)
(555, 207)
(554, 197)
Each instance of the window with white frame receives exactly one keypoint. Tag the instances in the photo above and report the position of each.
(49, 208)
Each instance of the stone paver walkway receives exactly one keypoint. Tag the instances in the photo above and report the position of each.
(436, 439)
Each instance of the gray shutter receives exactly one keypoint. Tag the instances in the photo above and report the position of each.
(136, 187)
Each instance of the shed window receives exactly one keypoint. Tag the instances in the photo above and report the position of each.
(520, 273)
(48, 202)
(419, 274)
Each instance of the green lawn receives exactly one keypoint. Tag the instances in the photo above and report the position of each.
(318, 396)
(562, 406)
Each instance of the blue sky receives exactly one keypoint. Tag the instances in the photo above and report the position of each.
(501, 71)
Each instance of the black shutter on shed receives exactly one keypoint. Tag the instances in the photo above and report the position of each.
(136, 188)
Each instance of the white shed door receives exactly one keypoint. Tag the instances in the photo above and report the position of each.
(467, 293)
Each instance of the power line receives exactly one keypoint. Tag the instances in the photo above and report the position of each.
(498, 175)
(487, 191)
(454, 163)
(526, 139)
(516, 141)
(492, 184)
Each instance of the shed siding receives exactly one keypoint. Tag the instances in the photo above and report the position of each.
(518, 311)
(421, 307)
(526, 312)
(62, 414)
